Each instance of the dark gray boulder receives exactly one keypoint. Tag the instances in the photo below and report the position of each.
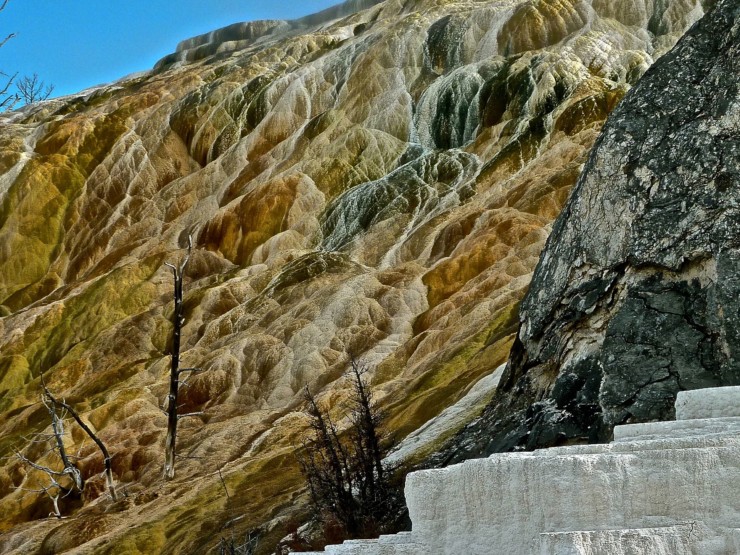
(637, 293)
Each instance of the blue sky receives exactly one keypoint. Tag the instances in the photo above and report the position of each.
(75, 44)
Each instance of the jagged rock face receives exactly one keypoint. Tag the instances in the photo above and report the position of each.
(635, 296)
(378, 183)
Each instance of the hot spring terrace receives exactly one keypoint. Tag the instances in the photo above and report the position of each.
(660, 488)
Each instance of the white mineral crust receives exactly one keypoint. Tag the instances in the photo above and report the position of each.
(662, 488)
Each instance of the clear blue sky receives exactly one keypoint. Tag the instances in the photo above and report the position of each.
(75, 44)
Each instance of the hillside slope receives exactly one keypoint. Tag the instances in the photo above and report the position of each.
(377, 182)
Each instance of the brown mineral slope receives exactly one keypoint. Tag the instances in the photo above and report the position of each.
(378, 179)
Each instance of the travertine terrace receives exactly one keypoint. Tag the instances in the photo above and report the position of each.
(378, 179)
(663, 488)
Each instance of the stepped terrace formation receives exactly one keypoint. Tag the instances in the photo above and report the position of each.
(663, 488)
(378, 179)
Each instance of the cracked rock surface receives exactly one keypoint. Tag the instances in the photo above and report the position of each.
(636, 295)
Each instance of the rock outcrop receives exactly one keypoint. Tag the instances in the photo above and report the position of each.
(636, 294)
(377, 182)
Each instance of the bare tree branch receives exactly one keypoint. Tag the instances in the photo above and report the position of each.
(7, 100)
(32, 89)
(193, 370)
(58, 489)
(32, 464)
(92, 435)
(187, 257)
(55, 490)
(223, 483)
(6, 39)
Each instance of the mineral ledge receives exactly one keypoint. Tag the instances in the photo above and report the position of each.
(659, 488)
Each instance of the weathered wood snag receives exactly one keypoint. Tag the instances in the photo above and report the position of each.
(175, 371)
(92, 435)
(60, 482)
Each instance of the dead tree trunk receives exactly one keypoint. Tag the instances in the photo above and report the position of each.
(57, 426)
(175, 371)
(367, 418)
(70, 474)
(92, 435)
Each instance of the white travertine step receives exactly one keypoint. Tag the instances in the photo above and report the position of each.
(354, 547)
(403, 549)
(388, 546)
(407, 549)
(397, 539)
(403, 543)
(648, 444)
(502, 504)
(677, 428)
(716, 402)
(668, 540)
(661, 488)
(733, 540)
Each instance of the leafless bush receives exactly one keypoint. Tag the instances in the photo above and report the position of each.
(349, 485)
(245, 546)
(32, 89)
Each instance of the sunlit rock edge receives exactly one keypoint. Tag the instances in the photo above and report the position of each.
(380, 184)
